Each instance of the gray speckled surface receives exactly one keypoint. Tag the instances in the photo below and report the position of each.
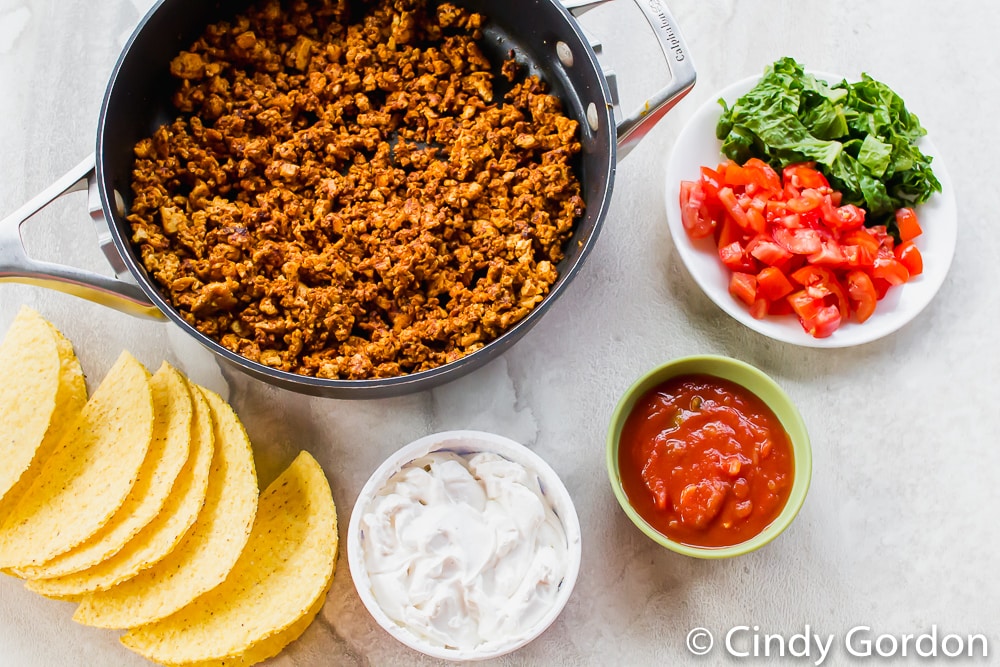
(899, 531)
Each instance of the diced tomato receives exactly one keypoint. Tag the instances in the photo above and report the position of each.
(804, 175)
(790, 191)
(862, 293)
(907, 224)
(756, 220)
(779, 307)
(763, 175)
(777, 208)
(778, 233)
(728, 232)
(858, 256)
(743, 286)
(818, 319)
(822, 283)
(736, 258)
(772, 283)
(881, 287)
(735, 175)
(908, 253)
(692, 206)
(881, 234)
(829, 254)
(759, 308)
(863, 238)
(790, 221)
(843, 218)
(826, 321)
(798, 241)
(796, 262)
(891, 270)
(728, 200)
(814, 220)
(766, 250)
(808, 200)
(804, 305)
(711, 181)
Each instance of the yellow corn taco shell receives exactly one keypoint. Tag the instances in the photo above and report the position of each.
(90, 473)
(206, 554)
(168, 451)
(42, 389)
(163, 533)
(280, 579)
(270, 647)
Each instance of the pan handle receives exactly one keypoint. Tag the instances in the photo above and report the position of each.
(634, 127)
(17, 266)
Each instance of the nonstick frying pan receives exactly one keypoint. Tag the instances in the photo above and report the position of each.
(544, 36)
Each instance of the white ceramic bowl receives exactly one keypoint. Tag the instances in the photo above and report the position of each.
(463, 443)
(697, 146)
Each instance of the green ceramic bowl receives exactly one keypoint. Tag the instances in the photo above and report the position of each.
(767, 390)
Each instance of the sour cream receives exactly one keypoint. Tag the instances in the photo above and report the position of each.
(465, 551)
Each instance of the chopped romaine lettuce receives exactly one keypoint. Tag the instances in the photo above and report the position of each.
(860, 135)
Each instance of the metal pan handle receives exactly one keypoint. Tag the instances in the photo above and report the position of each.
(634, 127)
(17, 266)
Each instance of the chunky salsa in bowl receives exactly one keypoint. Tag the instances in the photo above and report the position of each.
(709, 457)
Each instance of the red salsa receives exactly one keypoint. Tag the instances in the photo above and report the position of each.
(705, 461)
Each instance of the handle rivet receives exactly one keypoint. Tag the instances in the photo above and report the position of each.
(119, 204)
(592, 118)
(564, 53)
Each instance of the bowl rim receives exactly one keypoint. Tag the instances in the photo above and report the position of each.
(740, 372)
(465, 442)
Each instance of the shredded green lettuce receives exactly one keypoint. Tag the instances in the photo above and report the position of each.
(860, 135)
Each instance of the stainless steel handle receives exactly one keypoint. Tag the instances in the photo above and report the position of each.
(17, 266)
(635, 126)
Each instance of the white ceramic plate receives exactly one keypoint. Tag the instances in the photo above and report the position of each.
(697, 146)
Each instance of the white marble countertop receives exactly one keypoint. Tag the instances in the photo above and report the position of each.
(899, 531)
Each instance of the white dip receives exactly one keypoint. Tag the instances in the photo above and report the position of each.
(465, 551)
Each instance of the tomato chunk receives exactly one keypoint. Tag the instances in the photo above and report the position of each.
(794, 248)
(798, 241)
(804, 175)
(847, 217)
(766, 250)
(862, 293)
(692, 210)
(711, 181)
(804, 305)
(909, 255)
(890, 270)
(772, 283)
(809, 200)
(862, 238)
(763, 175)
(728, 200)
(907, 224)
(829, 253)
(759, 308)
(728, 232)
(744, 287)
(736, 258)
(823, 284)
(826, 321)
